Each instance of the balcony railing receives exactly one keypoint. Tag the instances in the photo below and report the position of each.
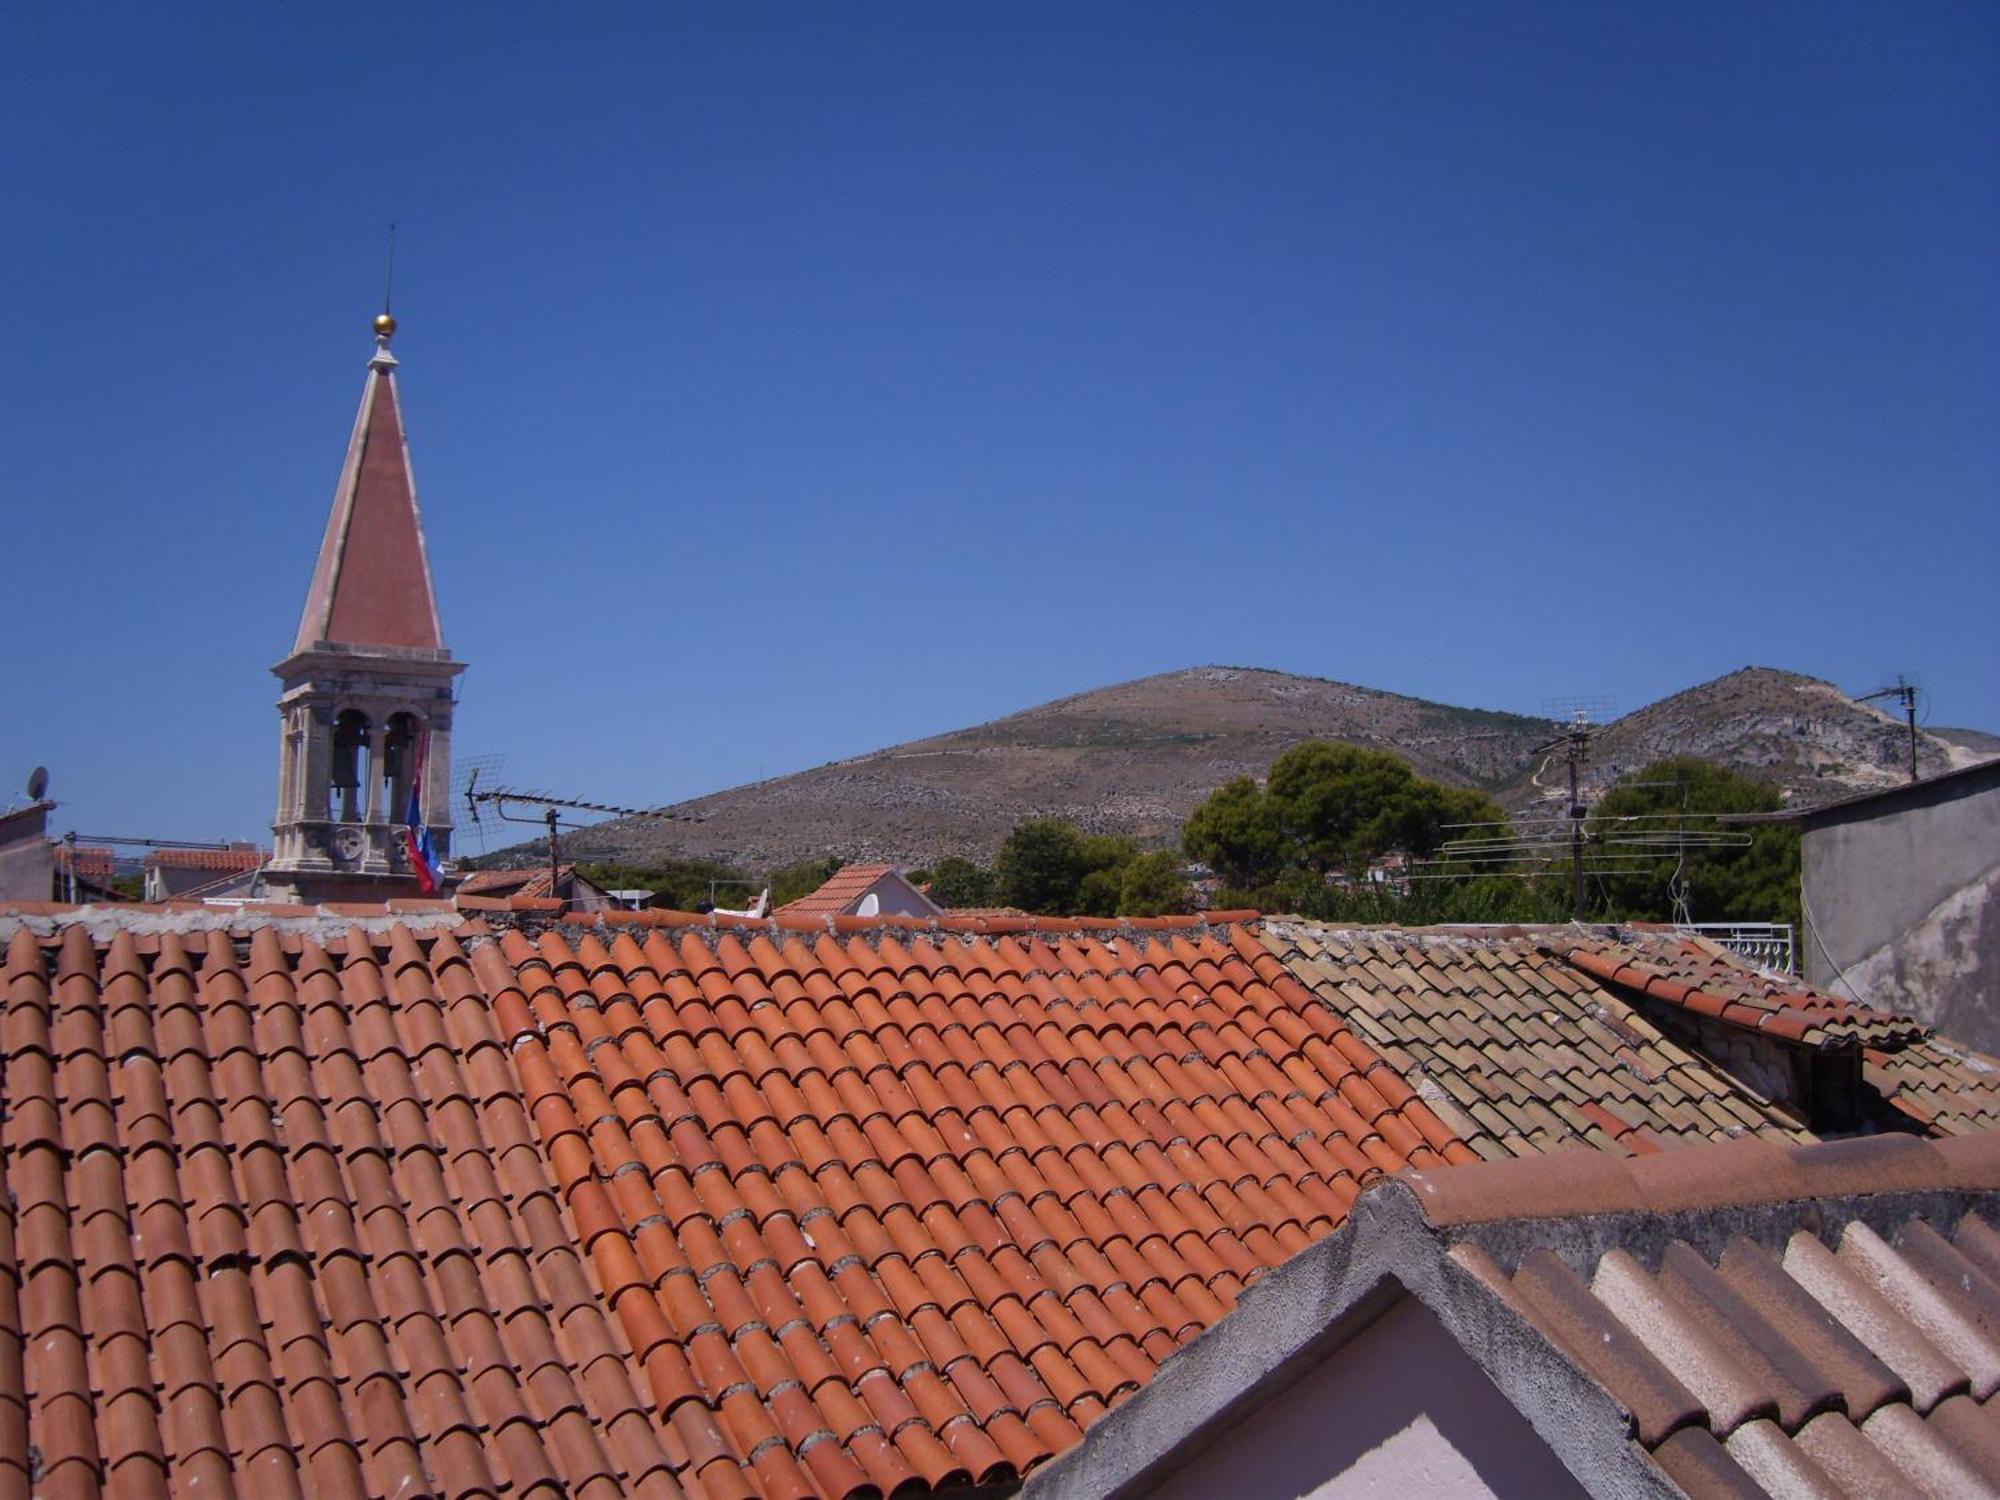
(1768, 945)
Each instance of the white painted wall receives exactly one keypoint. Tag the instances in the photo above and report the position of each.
(1399, 1412)
(895, 897)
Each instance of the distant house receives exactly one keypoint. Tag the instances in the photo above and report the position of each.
(1391, 871)
(175, 873)
(864, 891)
(567, 886)
(84, 872)
(27, 858)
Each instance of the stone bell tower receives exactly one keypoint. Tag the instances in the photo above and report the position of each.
(365, 710)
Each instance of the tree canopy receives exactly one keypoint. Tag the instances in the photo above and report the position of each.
(1052, 867)
(959, 882)
(1152, 885)
(1758, 883)
(1304, 840)
(1327, 809)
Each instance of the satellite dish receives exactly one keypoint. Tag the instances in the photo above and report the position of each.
(871, 906)
(38, 783)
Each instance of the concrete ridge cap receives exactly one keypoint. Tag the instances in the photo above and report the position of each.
(1741, 1173)
(102, 922)
(777, 925)
(1544, 932)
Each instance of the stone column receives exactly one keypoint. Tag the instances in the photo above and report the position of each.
(316, 798)
(288, 769)
(439, 783)
(378, 736)
(437, 779)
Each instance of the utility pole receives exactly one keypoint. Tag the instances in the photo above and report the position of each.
(1579, 742)
(1905, 691)
(1575, 841)
(1909, 697)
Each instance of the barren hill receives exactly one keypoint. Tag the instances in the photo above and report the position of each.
(1805, 735)
(1137, 757)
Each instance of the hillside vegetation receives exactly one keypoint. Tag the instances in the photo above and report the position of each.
(1133, 760)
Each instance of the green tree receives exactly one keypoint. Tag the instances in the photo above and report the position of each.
(1325, 809)
(1236, 832)
(1041, 866)
(1105, 858)
(1050, 867)
(1755, 883)
(959, 882)
(1339, 807)
(1151, 885)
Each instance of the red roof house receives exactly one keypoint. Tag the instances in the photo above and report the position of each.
(410, 1199)
(864, 891)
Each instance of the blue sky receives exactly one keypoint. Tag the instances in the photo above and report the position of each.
(786, 381)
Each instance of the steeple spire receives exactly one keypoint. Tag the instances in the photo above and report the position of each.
(364, 756)
(372, 585)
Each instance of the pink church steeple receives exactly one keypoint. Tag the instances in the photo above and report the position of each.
(372, 585)
(365, 714)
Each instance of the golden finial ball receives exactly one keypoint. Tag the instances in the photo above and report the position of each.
(385, 326)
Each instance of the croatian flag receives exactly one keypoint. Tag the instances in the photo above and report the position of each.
(424, 863)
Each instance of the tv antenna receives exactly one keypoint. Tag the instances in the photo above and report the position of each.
(1905, 690)
(469, 772)
(500, 798)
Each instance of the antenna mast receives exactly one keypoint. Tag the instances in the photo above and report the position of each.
(501, 796)
(389, 273)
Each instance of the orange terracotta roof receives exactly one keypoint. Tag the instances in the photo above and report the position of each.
(652, 1205)
(1701, 978)
(221, 860)
(1521, 1053)
(847, 885)
(1944, 1088)
(1939, 1085)
(1526, 1040)
(87, 861)
(276, 1219)
(531, 883)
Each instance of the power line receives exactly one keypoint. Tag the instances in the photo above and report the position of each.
(1622, 844)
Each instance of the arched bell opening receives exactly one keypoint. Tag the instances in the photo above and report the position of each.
(399, 767)
(352, 757)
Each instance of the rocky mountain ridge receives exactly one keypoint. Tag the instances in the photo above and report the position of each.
(1136, 757)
